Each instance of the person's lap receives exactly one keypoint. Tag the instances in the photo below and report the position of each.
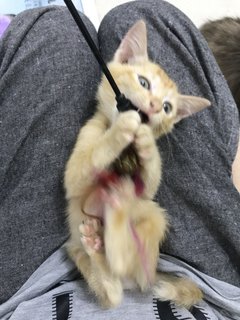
(55, 289)
(196, 189)
(48, 78)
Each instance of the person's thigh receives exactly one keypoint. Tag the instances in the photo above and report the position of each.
(48, 78)
(196, 189)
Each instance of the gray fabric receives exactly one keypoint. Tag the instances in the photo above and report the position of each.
(196, 189)
(47, 80)
(57, 276)
(223, 298)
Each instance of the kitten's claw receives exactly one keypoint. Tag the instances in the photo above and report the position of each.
(89, 236)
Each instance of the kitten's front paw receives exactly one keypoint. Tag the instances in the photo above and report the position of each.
(127, 125)
(145, 142)
(89, 236)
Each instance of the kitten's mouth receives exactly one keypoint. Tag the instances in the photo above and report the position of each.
(144, 117)
(124, 104)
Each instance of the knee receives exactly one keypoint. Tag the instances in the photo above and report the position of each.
(52, 22)
(159, 16)
(59, 19)
(149, 10)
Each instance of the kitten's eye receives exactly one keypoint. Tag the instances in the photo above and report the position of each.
(167, 107)
(144, 82)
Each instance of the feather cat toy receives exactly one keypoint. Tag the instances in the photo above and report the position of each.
(113, 174)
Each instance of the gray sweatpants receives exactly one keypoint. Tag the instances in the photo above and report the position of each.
(48, 78)
(55, 292)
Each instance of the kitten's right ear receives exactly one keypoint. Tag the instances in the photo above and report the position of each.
(188, 105)
(133, 47)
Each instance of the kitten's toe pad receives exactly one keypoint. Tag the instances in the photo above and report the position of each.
(91, 241)
(91, 245)
(89, 227)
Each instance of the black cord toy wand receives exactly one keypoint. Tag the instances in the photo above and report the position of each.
(123, 104)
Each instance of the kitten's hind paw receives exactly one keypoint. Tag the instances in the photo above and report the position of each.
(89, 236)
(111, 293)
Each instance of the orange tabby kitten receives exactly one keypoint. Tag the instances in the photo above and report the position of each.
(115, 227)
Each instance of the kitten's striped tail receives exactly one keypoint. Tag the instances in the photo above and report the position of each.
(182, 291)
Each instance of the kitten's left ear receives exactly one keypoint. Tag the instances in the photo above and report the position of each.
(133, 47)
(188, 105)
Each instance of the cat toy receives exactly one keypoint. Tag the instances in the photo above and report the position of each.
(128, 162)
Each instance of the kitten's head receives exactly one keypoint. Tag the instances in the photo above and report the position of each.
(146, 85)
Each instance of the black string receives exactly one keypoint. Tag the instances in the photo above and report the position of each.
(123, 104)
(92, 45)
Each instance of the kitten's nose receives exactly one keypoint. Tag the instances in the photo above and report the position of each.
(154, 107)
